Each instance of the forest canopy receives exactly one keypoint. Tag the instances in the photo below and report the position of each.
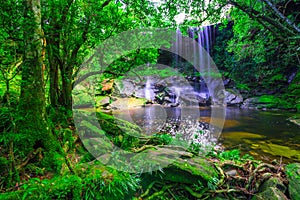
(43, 45)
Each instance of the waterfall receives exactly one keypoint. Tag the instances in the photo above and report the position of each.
(205, 40)
(178, 47)
(149, 93)
(204, 37)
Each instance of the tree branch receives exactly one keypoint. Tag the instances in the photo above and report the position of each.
(255, 14)
(278, 13)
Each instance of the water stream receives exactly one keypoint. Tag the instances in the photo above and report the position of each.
(265, 135)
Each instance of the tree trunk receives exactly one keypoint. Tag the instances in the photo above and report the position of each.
(53, 52)
(66, 90)
(32, 123)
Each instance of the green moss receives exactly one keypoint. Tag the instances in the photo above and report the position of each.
(116, 126)
(121, 132)
(293, 176)
(198, 167)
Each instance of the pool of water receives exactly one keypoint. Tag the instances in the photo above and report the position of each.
(265, 135)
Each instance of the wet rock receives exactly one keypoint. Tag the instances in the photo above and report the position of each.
(295, 120)
(168, 99)
(270, 193)
(233, 97)
(140, 92)
(293, 176)
(250, 103)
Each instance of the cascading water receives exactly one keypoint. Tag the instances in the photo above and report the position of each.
(149, 94)
(204, 42)
(204, 37)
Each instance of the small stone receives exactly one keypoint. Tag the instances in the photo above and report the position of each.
(232, 172)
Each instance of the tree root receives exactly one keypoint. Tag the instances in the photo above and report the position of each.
(222, 176)
(259, 169)
(193, 193)
(160, 192)
(148, 189)
(30, 156)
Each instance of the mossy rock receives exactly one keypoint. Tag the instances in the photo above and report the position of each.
(270, 193)
(293, 176)
(265, 101)
(189, 171)
(122, 133)
(115, 126)
(273, 182)
(102, 130)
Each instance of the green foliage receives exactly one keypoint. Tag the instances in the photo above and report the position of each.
(212, 183)
(162, 139)
(234, 155)
(256, 57)
(92, 184)
(230, 155)
(249, 53)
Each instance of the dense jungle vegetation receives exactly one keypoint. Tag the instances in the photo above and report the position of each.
(42, 47)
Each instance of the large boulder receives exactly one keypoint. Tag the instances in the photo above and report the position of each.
(233, 97)
(186, 171)
(124, 88)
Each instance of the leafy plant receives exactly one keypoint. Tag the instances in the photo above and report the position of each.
(230, 155)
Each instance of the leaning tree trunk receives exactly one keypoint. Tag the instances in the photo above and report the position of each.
(32, 123)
